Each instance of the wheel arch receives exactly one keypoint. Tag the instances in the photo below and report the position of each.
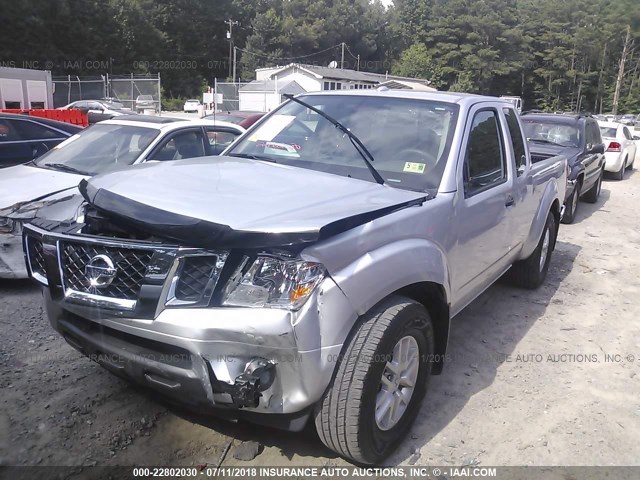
(433, 297)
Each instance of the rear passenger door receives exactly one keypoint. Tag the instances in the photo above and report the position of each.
(592, 160)
(482, 222)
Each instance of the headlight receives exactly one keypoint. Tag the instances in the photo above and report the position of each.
(273, 282)
(6, 225)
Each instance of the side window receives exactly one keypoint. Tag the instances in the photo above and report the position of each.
(597, 136)
(219, 140)
(517, 139)
(484, 165)
(7, 133)
(627, 134)
(589, 138)
(181, 145)
(27, 130)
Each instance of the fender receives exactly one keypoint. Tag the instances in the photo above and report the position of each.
(550, 195)
(396, 262)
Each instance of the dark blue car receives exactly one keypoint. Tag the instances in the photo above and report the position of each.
(23, 137)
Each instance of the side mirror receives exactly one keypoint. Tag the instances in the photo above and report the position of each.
(598, 148)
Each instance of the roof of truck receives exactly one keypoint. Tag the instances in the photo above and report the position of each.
(449, 97)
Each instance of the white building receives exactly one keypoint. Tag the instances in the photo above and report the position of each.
(22, 88)
(266, 92)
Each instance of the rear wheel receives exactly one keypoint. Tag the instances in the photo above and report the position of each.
(531, 272)
(593, 193)
(572, 205)
(619, 175)
(380, 382)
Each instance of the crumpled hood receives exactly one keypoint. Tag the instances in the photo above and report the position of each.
(24, 184)
(238, 201)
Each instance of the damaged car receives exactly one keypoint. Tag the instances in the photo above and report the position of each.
(311, 272)
(53, 178)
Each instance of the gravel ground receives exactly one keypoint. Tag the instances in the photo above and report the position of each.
(528, 382)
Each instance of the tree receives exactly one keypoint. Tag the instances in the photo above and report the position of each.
(415, 62)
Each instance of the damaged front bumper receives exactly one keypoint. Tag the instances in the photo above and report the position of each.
(12, 265)
(269, 364)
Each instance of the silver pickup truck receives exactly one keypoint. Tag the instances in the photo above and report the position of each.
(313, 270)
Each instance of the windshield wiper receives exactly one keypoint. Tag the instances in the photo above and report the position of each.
(64, 168)
(542, 140)
(253, 156)
(358, 145)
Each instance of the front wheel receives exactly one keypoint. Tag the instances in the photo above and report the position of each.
(531, 272)
(380, 382)
(572, 205)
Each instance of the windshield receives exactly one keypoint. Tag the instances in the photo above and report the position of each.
(556, 133)
(609, 132)
(114, 105)
(409, 139)
(99, 148)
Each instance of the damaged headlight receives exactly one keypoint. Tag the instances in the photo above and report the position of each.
(273, 282)
(6, 225)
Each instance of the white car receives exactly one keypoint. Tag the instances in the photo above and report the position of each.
(52, 180)
(98, 106)
(621, 149)
(191, 105)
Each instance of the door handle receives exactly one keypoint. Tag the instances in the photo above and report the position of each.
(510, 202)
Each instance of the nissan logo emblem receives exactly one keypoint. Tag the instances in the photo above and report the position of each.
(100, 271)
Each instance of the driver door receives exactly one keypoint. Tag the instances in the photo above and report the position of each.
(482, 208)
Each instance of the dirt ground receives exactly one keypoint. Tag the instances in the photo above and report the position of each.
(529, 381)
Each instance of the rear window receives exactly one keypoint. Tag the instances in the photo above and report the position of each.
(560, 134)
(609, 132)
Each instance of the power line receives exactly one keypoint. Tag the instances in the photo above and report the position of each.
(271, 57)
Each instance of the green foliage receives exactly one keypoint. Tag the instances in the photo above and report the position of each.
(556, 55)
(416, 62)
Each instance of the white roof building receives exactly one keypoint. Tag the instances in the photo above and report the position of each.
(266, 92)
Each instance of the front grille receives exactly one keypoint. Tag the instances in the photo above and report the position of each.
(36, 256)
(130, 264)
(194, 276)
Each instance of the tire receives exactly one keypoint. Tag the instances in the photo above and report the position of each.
(531, 272)
(345, 418)
(571, 209)
(593, 193)
(630, 166)
(619, 175)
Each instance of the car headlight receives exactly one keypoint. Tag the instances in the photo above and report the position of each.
(6, 225)
(270, 281)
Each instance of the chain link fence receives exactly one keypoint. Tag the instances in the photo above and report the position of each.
(139, 93)
(71, 89)
(230, 95)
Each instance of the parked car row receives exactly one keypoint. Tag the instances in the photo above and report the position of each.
(592, 147)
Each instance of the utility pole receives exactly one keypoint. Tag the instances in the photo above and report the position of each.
(342, 61)
(623, 59)
(231, 23)
(235, 51)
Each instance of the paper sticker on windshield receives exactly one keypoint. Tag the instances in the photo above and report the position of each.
(412, 167)
(268, 131)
